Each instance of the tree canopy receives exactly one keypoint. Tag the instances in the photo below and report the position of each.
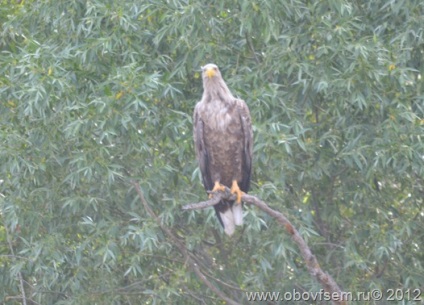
(95, 95)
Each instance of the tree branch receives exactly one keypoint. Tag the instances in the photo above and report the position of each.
(314, 269)
(8, 298)
(181, 247)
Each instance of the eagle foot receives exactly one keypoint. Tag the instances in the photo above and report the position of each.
(236, 190)
(217, 187)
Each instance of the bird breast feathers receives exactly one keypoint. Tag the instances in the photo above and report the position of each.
(216, 114)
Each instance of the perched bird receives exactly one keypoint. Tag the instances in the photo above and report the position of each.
(223, 141)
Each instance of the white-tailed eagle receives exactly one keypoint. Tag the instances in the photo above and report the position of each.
(223, 140)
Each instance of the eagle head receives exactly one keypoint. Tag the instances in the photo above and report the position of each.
(214, 86)
(210, 71)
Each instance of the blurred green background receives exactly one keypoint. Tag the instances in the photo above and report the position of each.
(94, 94)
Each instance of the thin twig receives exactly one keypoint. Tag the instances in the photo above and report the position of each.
(251, 47)
(310, 260)
(181, 247)
(21, 298)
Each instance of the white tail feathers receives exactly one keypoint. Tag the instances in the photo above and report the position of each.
(231, 218)
(238, 214)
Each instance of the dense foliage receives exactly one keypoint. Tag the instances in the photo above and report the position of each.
(96, 94)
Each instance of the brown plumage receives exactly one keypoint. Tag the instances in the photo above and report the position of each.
(223, 141)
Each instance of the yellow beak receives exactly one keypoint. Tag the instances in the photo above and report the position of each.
(210, 72)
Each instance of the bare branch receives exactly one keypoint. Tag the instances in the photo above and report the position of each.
(314, 269)
(181, 247)
(204, 204)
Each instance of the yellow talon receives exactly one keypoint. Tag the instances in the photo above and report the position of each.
(236, 190)
(217, 187)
